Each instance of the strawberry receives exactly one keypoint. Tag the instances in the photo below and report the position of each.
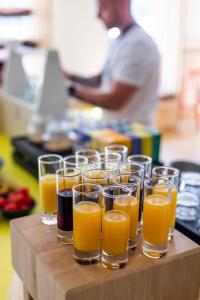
(23, 191)
(24, 207)
(3, 202)
(10, 207)
(15, 198)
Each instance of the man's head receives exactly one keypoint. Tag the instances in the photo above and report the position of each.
(113, 12)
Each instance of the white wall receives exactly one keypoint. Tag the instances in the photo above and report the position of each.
(80, 38)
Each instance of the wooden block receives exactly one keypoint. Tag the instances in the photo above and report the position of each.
(48, 270)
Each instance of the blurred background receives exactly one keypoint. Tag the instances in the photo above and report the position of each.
(72, 28)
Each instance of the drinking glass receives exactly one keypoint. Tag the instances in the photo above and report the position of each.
(143, 160)
(109, 160)
(115, 226)
(173, 175)
(87, 222)
(121, 149)
(74, 161)
(96, 176)
(156, 214)
(136, 169)
(65, 179)
(134, 184)
(48, 165)
(92, 156)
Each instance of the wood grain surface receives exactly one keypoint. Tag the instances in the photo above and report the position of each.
(48, 270)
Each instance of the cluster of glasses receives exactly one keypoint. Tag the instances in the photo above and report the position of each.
(101, 201)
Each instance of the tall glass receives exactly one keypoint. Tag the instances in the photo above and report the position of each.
(87, 222)
(173, 175)
(96, 176)
(73, 161)
(65, 179)
(92, 156)
(143, 160)
(156, 214)
(47, 166)
(136, 169)
(121, 149)
(115, 226)
(134, 184)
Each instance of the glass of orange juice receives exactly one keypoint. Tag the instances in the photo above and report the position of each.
(173, 175)
(65, 180)
(115, 226)
(156, 215)
(96, 176)
(134, 184)
(138, 170)
(87, 222)
(92, 155)
(117, 148)
(48, 165)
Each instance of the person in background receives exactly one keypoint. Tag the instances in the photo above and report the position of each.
(127, 87)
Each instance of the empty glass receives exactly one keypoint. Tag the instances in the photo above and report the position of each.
(92, 156)
(121, 149)
(73, 161)
(144, 160)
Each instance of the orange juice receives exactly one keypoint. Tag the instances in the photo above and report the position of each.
(96, 177)
(132, 210)
(156, 215)
(87, 226)
(48, 197)
(115, 232)
(173, 202)
(68, 183)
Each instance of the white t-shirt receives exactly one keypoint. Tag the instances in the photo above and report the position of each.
(133, 59)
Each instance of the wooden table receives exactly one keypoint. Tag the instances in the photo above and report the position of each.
(49, 272)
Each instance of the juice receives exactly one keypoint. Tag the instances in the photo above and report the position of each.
(65, 213)
(156, 215)
(132, 210)
(115, 232)
(48, 197)
(96, 177)
(173, 202)
(87, 226)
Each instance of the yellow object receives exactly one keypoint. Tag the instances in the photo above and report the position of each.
(87, 226)
(132, 211)
(67, 183)
(156, 214)
(48, 196)
(115, 232)
(12, 172)
(173, 202)
(96, 177)
(104, 137)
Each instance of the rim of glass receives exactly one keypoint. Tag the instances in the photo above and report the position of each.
(105, 194)
(152, 179)
(156, 196)
(68, 175)
(116, 154)
(107, 175)
(98, 186)
(177, 172)
(93, 152)
(140, 166)
(138, 179)
(148, 159)
(41, 158)
(75, 157)
(111, 147)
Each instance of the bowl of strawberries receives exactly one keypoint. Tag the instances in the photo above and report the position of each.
(16, 203)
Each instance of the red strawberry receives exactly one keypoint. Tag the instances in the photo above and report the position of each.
(23, 191)
(3, 202)
(15, 197)
(24, 207)
(10, 207)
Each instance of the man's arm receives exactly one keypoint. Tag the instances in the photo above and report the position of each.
(114, 99)
(93, 81)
